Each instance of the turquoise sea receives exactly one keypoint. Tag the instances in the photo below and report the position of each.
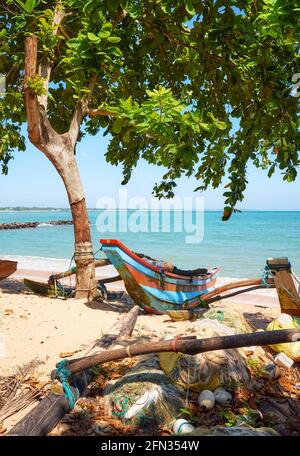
(240, 246)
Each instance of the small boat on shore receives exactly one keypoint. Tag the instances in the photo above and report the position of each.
(46, 289)
(156, 286)
(54, 288)
(7, 268)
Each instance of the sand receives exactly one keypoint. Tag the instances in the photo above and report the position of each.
(42, 328)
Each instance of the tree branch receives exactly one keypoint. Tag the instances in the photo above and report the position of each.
(80, 111)
(120, 17)
(35, 133)
(40, 131)
(44, 69)
(101, 112)
(83, 105)
(175, 40)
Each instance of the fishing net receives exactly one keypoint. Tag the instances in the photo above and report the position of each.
(207, 370)
(241, 431)
(144, 397)
(291, 349)
(18, 391)
(229, 317)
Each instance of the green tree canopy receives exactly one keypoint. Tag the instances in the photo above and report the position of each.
(166, 79)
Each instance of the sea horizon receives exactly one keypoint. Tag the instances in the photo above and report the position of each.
(239, 246)
(66, 209)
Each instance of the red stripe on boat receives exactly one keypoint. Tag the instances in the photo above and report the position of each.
(152, 282)
(145, 263)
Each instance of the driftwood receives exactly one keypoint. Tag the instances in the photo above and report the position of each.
(189, 346)
(45, 416)
(227, 287)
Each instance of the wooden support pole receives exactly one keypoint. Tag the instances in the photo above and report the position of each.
(63, 275)
(189, 346)
(285, 285)
(116, 278)
(228, 286)
(45, 416)
(190, 314)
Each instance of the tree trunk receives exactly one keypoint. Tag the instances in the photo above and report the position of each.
(60, 150)
(66, 165)
(86, 286)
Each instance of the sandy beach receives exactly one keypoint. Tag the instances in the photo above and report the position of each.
(44, 330)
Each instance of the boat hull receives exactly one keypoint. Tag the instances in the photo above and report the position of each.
(7, 268)
(150, 287)
(44, 289)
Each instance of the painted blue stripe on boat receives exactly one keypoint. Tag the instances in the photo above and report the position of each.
(176, 297)
(150, 273)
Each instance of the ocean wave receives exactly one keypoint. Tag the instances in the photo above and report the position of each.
(44, 224)
(37, 263)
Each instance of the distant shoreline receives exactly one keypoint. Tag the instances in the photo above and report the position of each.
(51, 209)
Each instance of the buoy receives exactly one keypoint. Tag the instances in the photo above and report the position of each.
(206, 399)
(284, 320)
(182, 426)
(222, 396)
(282, 360)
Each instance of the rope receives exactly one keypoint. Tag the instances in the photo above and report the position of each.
(173, 344)
(220, 315)
(161, 273)
(267, 274)
(88, 252)
(87, 289)
(60, 285)
(202, 303)
(295, 277)
(121, 403)
(99, 250)
(290, 294)
(64, 375)
(188, 385)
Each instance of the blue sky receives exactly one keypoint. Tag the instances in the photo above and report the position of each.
(32, 181)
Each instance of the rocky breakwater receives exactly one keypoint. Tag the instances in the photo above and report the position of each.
(22, 225)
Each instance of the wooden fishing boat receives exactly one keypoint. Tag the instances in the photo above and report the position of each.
(56, 289)
(46, 289)
(156, 286)
(7, 268)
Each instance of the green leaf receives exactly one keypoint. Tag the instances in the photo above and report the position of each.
(189, 7)
(126, 137)
(117, 126)
(107, 27)
(220, 125)
(104, 34)
(113, 39)
(30, 5)
(21, 4)
(92, 37)
(205, 126)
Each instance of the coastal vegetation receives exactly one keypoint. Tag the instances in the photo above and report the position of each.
(167, 80)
